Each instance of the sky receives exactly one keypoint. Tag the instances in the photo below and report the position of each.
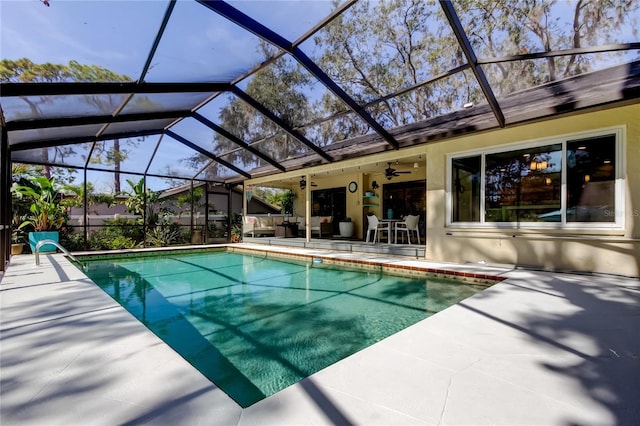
(198, 44)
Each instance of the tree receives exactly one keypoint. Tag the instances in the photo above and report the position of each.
(142, 202)
(502, 28)
(25, 71)
(382, 52)
(282, 88)
(93, 198)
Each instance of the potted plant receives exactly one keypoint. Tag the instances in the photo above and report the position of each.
(346, 227)
(236, 233)
(17, 241)
(287, 203)
(46, 215)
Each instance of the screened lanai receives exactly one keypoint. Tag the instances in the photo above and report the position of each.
(221, 92)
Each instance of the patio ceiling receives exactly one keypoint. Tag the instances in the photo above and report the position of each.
(226, 91)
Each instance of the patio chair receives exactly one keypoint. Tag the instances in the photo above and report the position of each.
(375, 225)
(409, 225)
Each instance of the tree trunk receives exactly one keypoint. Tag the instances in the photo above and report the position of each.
(116, 175)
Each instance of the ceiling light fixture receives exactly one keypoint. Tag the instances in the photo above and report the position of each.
(537, 164)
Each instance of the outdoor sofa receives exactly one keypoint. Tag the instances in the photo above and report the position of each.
(257, 226)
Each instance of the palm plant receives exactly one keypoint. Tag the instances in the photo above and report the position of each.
(46, 213)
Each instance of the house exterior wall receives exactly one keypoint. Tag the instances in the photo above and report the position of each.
(585, 248)
(615, 251)
(328, 181)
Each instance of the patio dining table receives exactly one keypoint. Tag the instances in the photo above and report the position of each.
(389, 225)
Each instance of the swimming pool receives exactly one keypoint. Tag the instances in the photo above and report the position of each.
(254, 325)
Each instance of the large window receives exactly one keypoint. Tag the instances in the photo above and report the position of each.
(523, 185)
(563, 182)
(591, 167)
(466, 189)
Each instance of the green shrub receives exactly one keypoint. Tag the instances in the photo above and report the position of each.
(115, 237)
(129, 228)
(72, 241)
(163, 236)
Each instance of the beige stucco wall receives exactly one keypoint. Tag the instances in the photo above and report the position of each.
(339, 174)
(605, 251)
(327, 181)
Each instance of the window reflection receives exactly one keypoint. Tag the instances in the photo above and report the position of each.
(591, 180)
(523, 185)
(465, 189)
(526, 185)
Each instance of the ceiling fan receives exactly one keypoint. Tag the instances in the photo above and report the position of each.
(303, 183)
(389, 173)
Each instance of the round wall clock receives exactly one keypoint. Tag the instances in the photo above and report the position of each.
(353, 187)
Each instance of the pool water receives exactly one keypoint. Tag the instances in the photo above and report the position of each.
(254, 325)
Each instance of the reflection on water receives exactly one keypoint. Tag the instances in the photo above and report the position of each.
(254, 325)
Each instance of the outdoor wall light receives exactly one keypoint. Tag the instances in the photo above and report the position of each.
(374, 185)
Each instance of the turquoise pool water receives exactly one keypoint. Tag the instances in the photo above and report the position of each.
(254, 325)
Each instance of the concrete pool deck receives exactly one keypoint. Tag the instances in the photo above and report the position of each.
(537, 348)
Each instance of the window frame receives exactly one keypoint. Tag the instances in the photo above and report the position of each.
(619, 133)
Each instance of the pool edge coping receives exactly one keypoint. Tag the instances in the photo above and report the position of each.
(396, 267)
